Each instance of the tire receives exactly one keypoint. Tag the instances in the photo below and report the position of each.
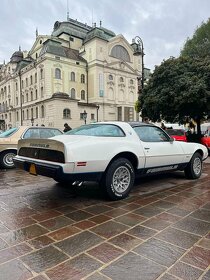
(6, 159)
(194, 167)
(118, 179)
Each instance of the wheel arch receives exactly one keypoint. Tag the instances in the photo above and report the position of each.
(199, 151)
(128, 155)
(8, 150)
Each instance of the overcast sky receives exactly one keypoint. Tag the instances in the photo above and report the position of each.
(163, 25)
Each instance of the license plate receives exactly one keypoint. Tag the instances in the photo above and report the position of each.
(32, 169)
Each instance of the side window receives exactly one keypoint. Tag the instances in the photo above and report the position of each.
(151, 134)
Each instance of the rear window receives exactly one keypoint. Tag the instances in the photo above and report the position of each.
(105, 130)
(177, 132)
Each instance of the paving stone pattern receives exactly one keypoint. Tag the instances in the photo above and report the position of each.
(53, 232)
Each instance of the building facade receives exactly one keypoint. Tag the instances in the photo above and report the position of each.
(78, 74)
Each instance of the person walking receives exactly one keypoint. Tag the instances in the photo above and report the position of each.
(66, 127)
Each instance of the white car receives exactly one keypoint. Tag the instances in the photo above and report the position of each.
(111, 153)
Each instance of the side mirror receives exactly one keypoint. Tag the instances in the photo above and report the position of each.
(171, 140)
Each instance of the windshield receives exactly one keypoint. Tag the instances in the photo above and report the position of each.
(8, 132)
(178, 132)
(108, 130)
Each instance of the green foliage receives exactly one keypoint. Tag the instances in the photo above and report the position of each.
(199, 45)
(137, 106)
(179, 87)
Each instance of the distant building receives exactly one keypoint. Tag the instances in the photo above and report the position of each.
(78, 71)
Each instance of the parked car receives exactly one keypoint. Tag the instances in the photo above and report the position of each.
(205, 140)
(111, 153)
(10, 137)
(177, 134)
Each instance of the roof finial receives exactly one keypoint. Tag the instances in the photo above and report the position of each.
(67, 4)
(37, 32)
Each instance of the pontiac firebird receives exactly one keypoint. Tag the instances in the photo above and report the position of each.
(111, 153)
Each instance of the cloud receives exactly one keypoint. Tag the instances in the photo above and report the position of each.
(163, 25)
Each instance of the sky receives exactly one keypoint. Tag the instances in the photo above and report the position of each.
(163, 25)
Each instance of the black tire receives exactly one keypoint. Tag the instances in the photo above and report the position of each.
(194, 167)
(6, 159)
(119, 172)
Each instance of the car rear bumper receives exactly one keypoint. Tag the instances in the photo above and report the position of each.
(56, 171)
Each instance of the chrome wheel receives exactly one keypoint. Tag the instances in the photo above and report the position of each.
(197, 166)
(8, 160)
(121, 179)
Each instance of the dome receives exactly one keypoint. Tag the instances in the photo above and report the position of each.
(17, 56)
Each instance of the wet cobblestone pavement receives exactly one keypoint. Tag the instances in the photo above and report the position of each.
(162, 231)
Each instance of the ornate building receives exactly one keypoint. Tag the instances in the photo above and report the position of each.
(77, 74)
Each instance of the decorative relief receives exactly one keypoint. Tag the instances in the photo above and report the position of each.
(111, 83)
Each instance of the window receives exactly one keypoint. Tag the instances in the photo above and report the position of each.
(120, 52)
(72, 76)
(22, 84)
(17, 116)
(121, 79)
(41, 73)
(31, 95)
(36, 96)
(110, 77)
(16, 100)
(26, 82)
(32, 113)
(92, 117)
(42, 111)
(82, 79)
(16, 86)
(26, 97)
(23, 115)
(37, 113)
(82, 94)
(42, 91)
(73, 93)
(131, 81)
(57, 73)
(66, 113)
(35, 77)
(151, 134)
(31, 80)
(27, 115)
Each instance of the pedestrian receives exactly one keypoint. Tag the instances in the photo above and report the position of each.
(146, 120)
(66, 127)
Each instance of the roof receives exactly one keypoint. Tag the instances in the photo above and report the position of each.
(54, 47)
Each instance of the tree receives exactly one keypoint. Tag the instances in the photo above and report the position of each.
(178, 88)
(199, 45)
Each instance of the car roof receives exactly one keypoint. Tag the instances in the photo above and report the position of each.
(134, 124)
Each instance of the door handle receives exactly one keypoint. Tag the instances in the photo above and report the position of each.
(146, 148)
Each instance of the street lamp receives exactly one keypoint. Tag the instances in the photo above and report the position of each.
(32, 121)
(85, 116)
(139, 50)
(97, 108)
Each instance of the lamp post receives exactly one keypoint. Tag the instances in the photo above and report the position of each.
(32, 121)
(85, 116)
(140, 51)
(97, 108)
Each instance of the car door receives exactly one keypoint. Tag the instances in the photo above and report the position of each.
(160, 149)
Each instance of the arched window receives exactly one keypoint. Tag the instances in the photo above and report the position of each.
(73, 93)
(27, 116)
(31, 95)
(57, 73)
(131, 81)
(120, 52)
(17, 116)
(110, 77)
(31, 79)
(82, 78)
(121, 79)
(23, 115)
(26, 97)
(66, 113)
(82, 95)
(35, 77)
(42, 111)
(32, 113)
(41, 73)
(37, 112)
(72, 76)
